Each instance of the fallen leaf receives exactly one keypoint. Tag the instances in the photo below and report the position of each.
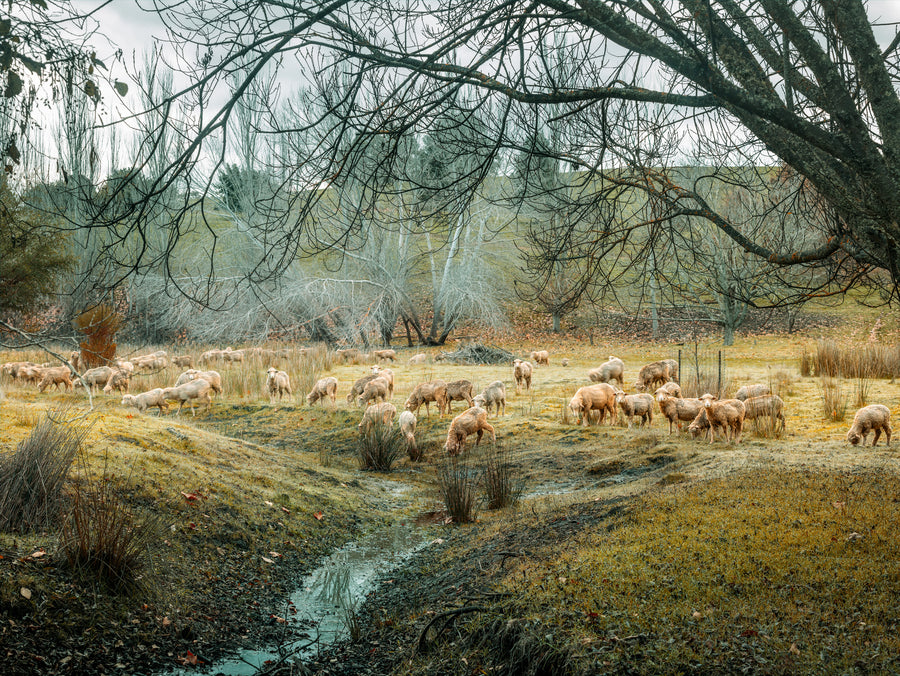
(319, 515)
(853, 537)
(267, 560)
(275, 554)
(794, 649)
(189, 496)
(437, 541)
(26, 592)
(189, 658)
(38, 554)
(270, 504)
(285, 510)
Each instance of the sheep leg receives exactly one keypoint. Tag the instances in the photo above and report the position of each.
(877, 435)
(478, 437)
(887, 434)
(490, 429)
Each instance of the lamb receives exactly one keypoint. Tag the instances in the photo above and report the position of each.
(671, 388)
(150, 362)
(212, 377)
(385, 355)
(459, 390)
(727, 414)
(636, 404)
(522, 373)
(375, 389)
(600, 397)
(613, 369)
(657, 372)
(183, 361)
(471, 421)
(95, 377)
(229, 355)
(379, 414)
(541, 358)
(196, 390)
(388, 375)
(210, 356)
(324, 387)
(119, 380)
(408, 430)
(699, 425)
(278, 382)
(494, 395)
(359, 386)
(677, 410)
(31, 373)
(767, 405)
(425, 393)
(748, 391)
(417, 359)
(59, 375)
(876, 417)
(145, 400)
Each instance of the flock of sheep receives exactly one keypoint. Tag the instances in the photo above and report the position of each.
(705, 415)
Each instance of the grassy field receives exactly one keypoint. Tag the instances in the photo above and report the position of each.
(630, 550)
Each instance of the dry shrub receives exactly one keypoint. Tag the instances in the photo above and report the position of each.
(782, 384)
(806, 363)
(311, 365)
(565, 413)
(700, 373)
(458, 488)
(502, 487)
(104, 540)
(32, 476)
(834, 399)
(380, 447)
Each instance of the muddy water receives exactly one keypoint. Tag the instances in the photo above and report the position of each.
(320, 606)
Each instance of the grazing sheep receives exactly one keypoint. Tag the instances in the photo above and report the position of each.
(540, 358)
(471, 421)
(359, 386)
(408, 429)
(212, 377)
(459, 390)
(613, 369)
(59, 375)
(600, 397)
(278, 382)
(185, 377)
(671, 388)
(656, 372)
(876, 417)
(183, 361)
(13, 368)
(494, 395)
(677, 410)
(748, 391)
(727, 414)
(31, 373)
(522, 373)
(196, 390)
(211, 356)
(375, 389)
(348, 355)
(145, 400)
(119, 380)
(425, 393)
(324, 387)
(232, 356)
(385, 355)
(417, 359)
(95, 377)
(379, 414)
(124, 365)
(699, 425)
(150, 362)
(767, 405)
(388, 375)
(636, 404)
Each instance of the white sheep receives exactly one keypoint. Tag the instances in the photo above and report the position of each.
(677, 410)
(417, 359)
(277, 382)
(727, 414)
(636, 405)
(493, 396)
(324, 387)
(145, 400)
(378, 414)
(522, 373)
(196, 390)
(388, 375)
(408, 429)
(375, 389)
(876, 417)
(540, 357)
(612, 369)
(748, 391)
(212, 377)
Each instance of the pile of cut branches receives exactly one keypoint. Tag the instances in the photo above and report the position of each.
(476, 353)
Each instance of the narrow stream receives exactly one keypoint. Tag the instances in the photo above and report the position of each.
(324, 599)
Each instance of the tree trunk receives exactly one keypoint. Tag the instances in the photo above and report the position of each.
(556, 322)
(728, 334)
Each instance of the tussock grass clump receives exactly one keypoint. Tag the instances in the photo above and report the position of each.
(782, 383)
(458, 488)
(311, 364)
(502, 486)
(766, 567)
(32, 476)
(834, 399)
(869, 360)
(104, 540)
(379, 448)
